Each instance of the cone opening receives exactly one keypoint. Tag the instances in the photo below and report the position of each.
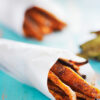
(65, 82)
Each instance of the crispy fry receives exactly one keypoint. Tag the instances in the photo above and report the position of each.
(40, 19)
(69, 64)
(42, 11)
(43, 23)
(56, 90)
(78, 63)
(32, 30)
(76, 82)
(53, 87)
(74, 65)
(57, 24)
(79, 95)
(68, 91)
(45, 30)
(26, 31)
(38, 22)
(57, 96)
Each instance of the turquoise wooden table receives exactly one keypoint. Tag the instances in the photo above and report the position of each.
(11, 89)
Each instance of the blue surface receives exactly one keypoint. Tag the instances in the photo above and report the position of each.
(10, 89)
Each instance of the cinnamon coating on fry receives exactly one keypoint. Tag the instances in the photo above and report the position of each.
(60, 95)
(78, 63)
(30, 28)
(64, 75)
(57, 90)
(60, 84)
(57, 96)
(39, 22)
(72, 79)
(42, 22)
(73, 65)
(69, 64)
(79, 95)
(57, 24)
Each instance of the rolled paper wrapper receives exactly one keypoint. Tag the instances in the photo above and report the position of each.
(12, 11)
(30, 64)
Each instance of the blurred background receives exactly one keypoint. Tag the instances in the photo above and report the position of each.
(81, 18)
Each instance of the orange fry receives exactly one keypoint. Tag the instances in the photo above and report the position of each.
(78, 63)
(57, 96)
(76, 82)
(32, 29)
(43, 23)
(38, 22)
(56, 90)
(69, 64)
(79, 95)
(73, 65)
(53, 87)
(57, 24)
(40, 19)
(68, 91)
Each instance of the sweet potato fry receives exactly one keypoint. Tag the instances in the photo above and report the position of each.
(45, 30)
(69, 64)
(68, 91)
(73, 65)
(43, 23)
(78, 63)
(57, 96)
(40, 19)
(57, 24)
(56, 91)
(76, 82)
(55, 88)
(32, 30)
(79, 95)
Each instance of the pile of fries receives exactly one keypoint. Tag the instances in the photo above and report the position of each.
(39, 22)
(65, 82)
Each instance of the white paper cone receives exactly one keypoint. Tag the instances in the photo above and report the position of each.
(30, 64)
(12, 11)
